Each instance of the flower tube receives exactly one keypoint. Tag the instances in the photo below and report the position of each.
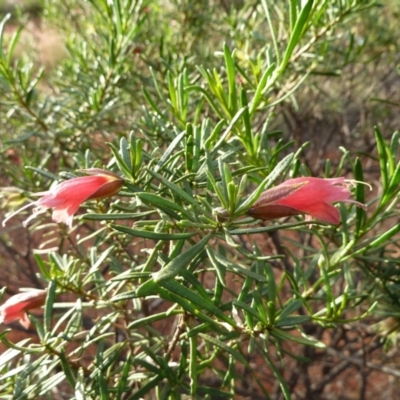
(15, 308)
(306, 195)
(66, 197)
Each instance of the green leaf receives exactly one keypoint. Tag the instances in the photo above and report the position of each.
(125, 154)
(97, 261)
(212, 393)
(250, 310)
(42, 266)
(303, 339)
(80, 386)
(231, 266)
(360, 195)
(190, 308)
(223, 346)
(11, 353)
(163, 204)
(193, 365)
(280, 169)
(293, 13)
(271, 283)
(296, 34)
(174, 267)
(48, 310)
(75, 322)
(394, 183)
(290, 308)
(219, 270)
(68, 371)
(271, 29)
(217, 187)
(152, 383)
(383, 158)
(292, 320)
(209, 142)
(120, 162)
(151, 234)
(116, 216)
(46, 385)
(230, 70)
(261, 88)
(123, 379)
(383, 238)
(193, 297)
(228, 130)
(169, 151)
(252, 231)
(153, 318)
(13, 44)
(2, 29)
(279, 377)
(174, 188)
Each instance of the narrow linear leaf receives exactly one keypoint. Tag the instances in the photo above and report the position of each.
(48, 310)
(303, 339)
(116, 216)
(152, 318)
(360, 194)
(228, 130)
(238, 356)
(146, 289)
(279, 170)
(177, 264)
(231, 266)
(290, 308)
(296, 35)
(191, 309)
(162, 203)
(383, 158)
(147, 387)
(230, 69)
(193, 365)
(250, 310)
(151, 234)
(293, 320)
(68, 371)
(174, 188)
(192, 296)
(169, 151)
(261, 87)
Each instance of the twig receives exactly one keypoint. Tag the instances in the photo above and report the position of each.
(178, 331)
(337, 369)
(361, 363)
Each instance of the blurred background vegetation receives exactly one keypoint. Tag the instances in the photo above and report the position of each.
(98, 83)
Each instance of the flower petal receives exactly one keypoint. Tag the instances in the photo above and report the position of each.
(325, 212)
(24, 320)
(305, 195)
(318, 189)
(66, 197)
(15, 307)
(73, 191)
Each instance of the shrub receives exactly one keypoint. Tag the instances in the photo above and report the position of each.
(169, 288)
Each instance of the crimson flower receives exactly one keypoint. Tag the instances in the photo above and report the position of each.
(15, 308)
(66, 197)
(311, 196)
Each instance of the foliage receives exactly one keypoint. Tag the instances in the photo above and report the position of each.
(168, 289)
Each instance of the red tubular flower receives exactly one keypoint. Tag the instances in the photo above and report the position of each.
(66, 197)
(15, 308)
(312, 196)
